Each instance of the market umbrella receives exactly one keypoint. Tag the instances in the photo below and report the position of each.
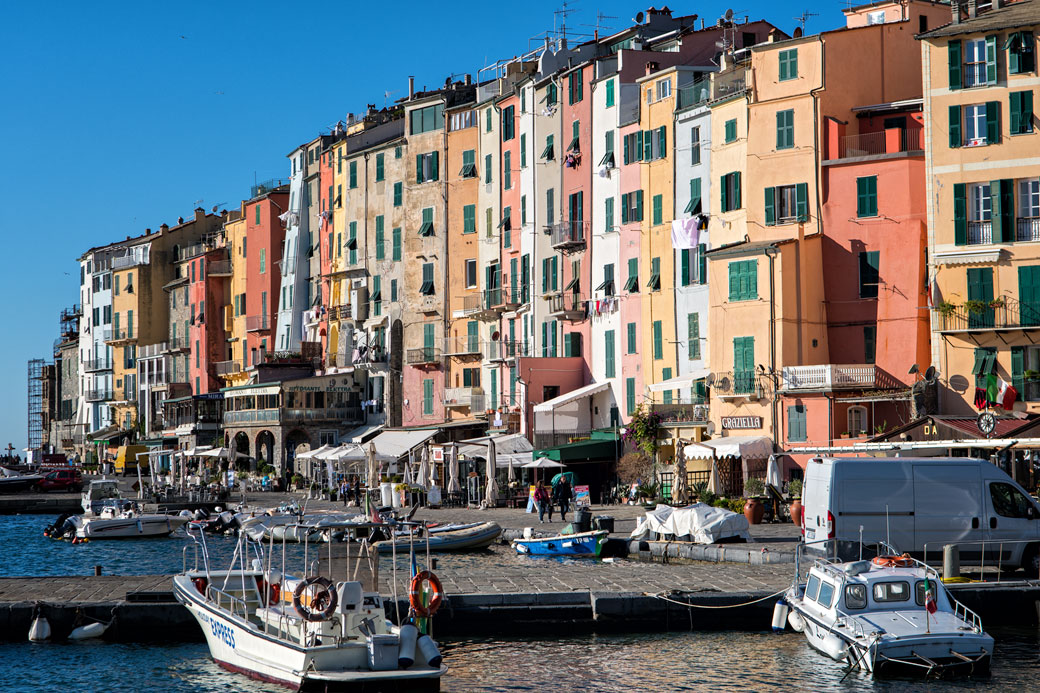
(773, 473)
(373, 471)
(232, 457)
(422, 478)
(715, 481)
(542, 463)
(408, 470)
(491, 493)
(679, 485)
(453, 472)
(512, 473)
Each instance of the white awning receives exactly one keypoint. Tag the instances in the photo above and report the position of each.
(950, 255)
(572, 396)
(393, 444)
(754, 447)
(504, 445)
(362, 434)
(680, 382)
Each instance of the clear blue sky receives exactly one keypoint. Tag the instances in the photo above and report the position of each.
(114, 120)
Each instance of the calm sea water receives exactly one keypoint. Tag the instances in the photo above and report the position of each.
(600, 664)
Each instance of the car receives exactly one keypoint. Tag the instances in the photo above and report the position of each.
(61, 480)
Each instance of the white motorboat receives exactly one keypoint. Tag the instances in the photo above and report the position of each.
(122, 519)
(12, 481)
(303, 631)
(888, 615)
(99, 494)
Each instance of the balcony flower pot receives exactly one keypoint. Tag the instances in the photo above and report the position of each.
(754, 510)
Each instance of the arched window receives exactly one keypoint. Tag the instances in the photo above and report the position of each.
(857, 420)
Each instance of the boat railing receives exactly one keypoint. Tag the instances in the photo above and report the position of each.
(981, 543)
(199, 542)
(965, 614)
(851, 624)
(184, 557)
(235, 606)
(806, 556)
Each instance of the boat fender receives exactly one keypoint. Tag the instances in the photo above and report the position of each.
(406, 656)
(415, 594)
(834, 647)
(184, 513)
(91, 630)
(779, 616)
(40, 629)
(200, 585)
(322, 604)
(796, 621)
(428, 650)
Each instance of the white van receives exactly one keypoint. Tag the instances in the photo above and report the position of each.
(913, 502)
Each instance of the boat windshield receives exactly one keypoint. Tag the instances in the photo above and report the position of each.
(856, 596)
(898, 591)
(812, 587)
(826, 594)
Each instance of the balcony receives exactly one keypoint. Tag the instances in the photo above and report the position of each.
(694, 412)
(890, 141)
(308, 356)
(177, 344)
(1027, 229)
(1004, 313)
(980, 232)
(471, 305)
(567, 307)
(552, 439)
(92, 365)
(468, 345)
(422, 357)
(698, 92)
(340, 312)
(250, 416)
(258, 323)
(829, 377)
(228, 367)
(568, 235)
(738, 385)
(103, 395)
(472, 397)
(121, 335)
(219, 268)
(729, 84)
(327, 414)
(128, 261)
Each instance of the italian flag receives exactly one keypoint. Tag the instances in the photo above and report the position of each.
(929, 597)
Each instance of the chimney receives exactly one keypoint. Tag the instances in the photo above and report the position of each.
(771, 38)
(148, 232)
(371, 109)
(163, 228)
(468, 79)
(996, 4)
(955, 11)
(702, 23)
(973, 8)
(411, 87)
(180, 220)
(651, 67)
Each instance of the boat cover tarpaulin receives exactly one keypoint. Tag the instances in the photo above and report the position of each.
(699, 523)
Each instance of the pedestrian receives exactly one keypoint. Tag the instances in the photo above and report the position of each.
(541, 497)
(344, 489)
(563, 497)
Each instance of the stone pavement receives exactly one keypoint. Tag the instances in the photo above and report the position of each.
(86, 589)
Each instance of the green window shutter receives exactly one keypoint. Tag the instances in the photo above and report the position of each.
(702, 263)
(802, 201)
(954, 126)
(658, 209)
(353, 174)
(428, 335)
(630, 394)
(398, 193)
(625, 156)
(684, 272)
(866, 196)
(695, 196)
(662, 141)
(434, 168)
(428, 396)
(723, 193)
(608, 345)
(1018, 370)
(770, 206)
(418, 168)
(736, 190)
(610, 93)
(380, 239)
(624, 208)
(731, 130)
(545, 275)
(637, 155)
(1029, 294)
(472, 336)
(631, 346)
(523, 150)
(734, 281)
(397, 244)
(379, 167)
(953, 55)
(507, 173)
(666, 374)
(1015, 111)
(796, 428)
(608, 214)
(553, 339)
(469, 219)
(980, 288)
(648, 145)
(992, 122)
(487, 168)
(658, 340)
(639, 205)
(545, 339)
(751, 271)
(960, 214)
(693, 336)
(1002, 194)
(991, 60)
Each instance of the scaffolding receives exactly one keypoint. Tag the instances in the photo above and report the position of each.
(36, 403)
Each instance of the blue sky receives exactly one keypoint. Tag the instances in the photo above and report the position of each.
(121, 116)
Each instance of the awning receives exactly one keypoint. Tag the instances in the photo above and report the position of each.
(732, 446)
(572, 396)
(581, 451)
(107, 433)
(504, 445)
(680, 382)
(393, 445)
(362, 434)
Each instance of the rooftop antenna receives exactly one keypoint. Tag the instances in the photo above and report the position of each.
(386, 97)
(561, 14)
(804, 17)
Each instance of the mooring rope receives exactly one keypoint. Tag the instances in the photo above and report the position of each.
(707, 606)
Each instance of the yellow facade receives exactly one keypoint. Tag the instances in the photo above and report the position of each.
(234, 315)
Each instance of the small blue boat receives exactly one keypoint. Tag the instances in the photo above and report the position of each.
(583, 544)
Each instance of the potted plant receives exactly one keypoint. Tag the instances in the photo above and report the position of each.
(753, 507)
(976, 307)
(945, 308)
(794, 487)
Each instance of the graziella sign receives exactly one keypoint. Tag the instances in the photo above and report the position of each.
(735, 422)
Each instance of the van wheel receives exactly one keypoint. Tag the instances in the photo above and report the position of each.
(1031, 561)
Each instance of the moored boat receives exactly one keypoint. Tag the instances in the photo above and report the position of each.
(465, 538)
(123, 520)
(581, 544)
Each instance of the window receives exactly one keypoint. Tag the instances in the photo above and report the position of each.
(523, 210)
(523, 149)
(876, 17)
(352, 243)
(796, 429)
(743, 365)
(664, 89)
(788, 64)
(869, 343)
(572, 344)
(730, 191)
(548, 153)
(632, 207)
(427, 399)
(631, 337)
(975, 63)
(575, 143)
(427, 222)
(866, 197)
(574, 87)
(856, 595)
(1020, 46)
(787, 204)
(427, 119)
(693, 336)
(731, 131)
(353, 174)
(488, 223)
(654, 282)
(980, 214)
(551, 96)
(694, 206)
(610, 93)
(658, 209)
(869, 277)
(462, 120)
(743, 280)
(607, 285)
(377, 295)
(471, 274)
(263, 260)
(469, 219)
(508, 131)
(257, 208)
(608, 154)
(630, 395)
(488, 173)
(426, 167)
(608, 215)
(974, 124)
(487, 120)
(396, 234)
(380, 239)
(507, 227)
(857, 420)
(891, 591)
(812, 587)
(1021, 108)
(1029, 203)
(507, 173)
(393, 290)
(826, 594)
(1008, 501)
(426, 288)
(695, 146)
(785, 129)
(469, 164)
(398, 193)
(632, 283)
(379, 167)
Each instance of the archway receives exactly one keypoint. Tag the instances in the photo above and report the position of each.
(264, 448)
(294, 439)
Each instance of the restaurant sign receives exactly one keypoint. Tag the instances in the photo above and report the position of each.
(736, 422)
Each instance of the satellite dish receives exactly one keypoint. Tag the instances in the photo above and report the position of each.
(709, 379)
(639, 17)
(913, 369)
(729, 15)
(931, 374)
(710, 428)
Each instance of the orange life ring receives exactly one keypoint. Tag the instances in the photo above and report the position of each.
(904, 561)
(415, 594)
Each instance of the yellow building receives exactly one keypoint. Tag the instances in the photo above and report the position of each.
(983, 191)
(234, 371)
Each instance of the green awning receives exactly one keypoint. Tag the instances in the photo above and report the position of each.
(601, 445)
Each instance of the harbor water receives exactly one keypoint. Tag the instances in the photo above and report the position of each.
(601, 664)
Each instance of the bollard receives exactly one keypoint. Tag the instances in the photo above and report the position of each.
(951, 561)
(97, 570)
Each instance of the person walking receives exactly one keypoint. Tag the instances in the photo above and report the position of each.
(541, 497)
(563, 497)
(344, 489)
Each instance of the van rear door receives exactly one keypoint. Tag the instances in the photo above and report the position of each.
(947, 507)
(816, 498)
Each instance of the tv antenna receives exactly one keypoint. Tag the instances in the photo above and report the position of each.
(561, 14)
(804, 17)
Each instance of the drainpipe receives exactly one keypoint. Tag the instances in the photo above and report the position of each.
(367, 339)
(816, 129)
(444, 262)
(771, 252)
(501, 249)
